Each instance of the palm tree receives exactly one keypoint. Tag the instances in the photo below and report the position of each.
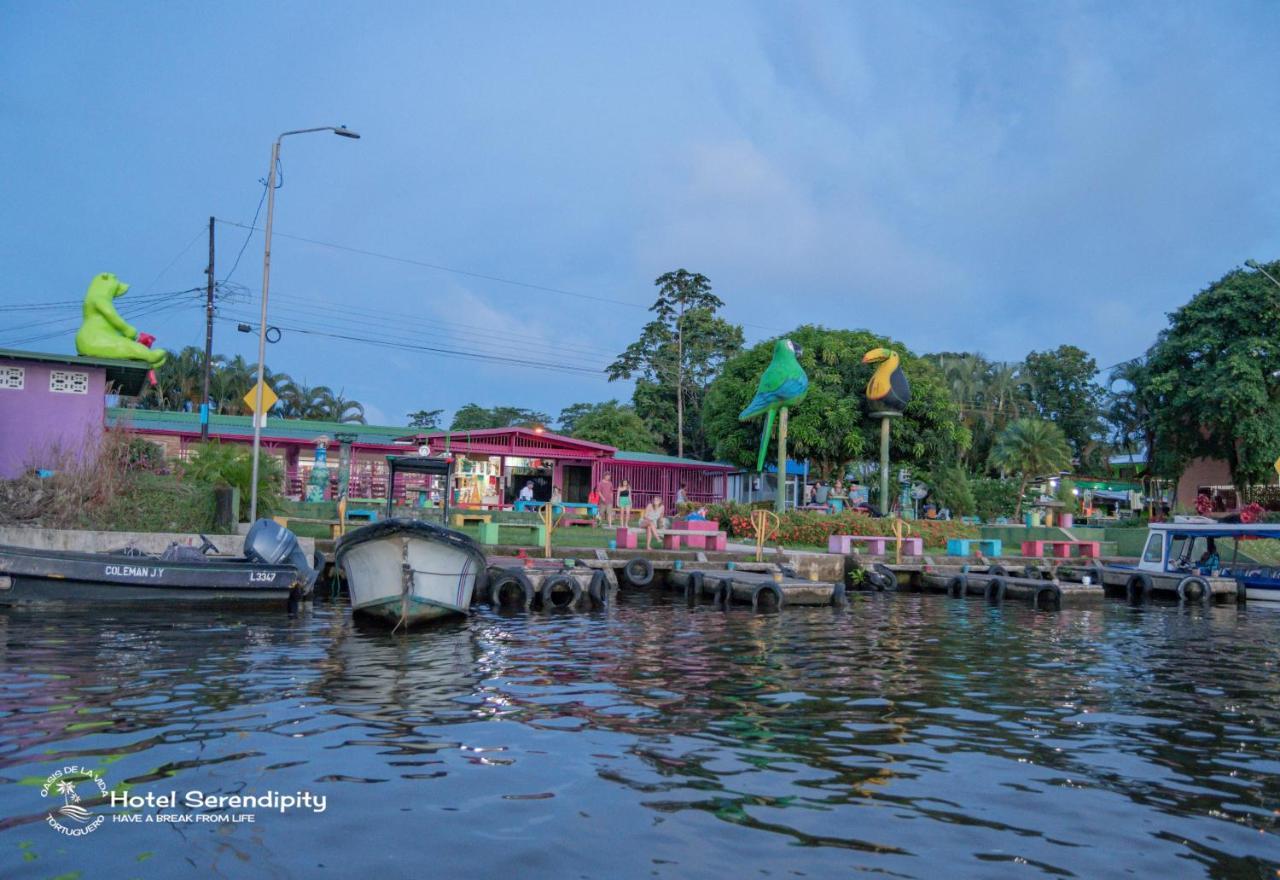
(341, 409)
(1030, 447)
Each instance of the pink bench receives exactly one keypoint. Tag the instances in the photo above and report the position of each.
(698, 542)
(629, 539)
(1062, 549)
(843, 544)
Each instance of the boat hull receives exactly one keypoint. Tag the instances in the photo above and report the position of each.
(405, 572)
(29, 575)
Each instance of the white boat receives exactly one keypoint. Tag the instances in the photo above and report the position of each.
(404, 572)
(1199, 548)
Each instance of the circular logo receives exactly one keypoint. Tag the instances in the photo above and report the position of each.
(69, 817)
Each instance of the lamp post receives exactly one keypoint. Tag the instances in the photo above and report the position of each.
(1253, 264)
(258, 419)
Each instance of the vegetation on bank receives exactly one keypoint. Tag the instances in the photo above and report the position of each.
(126, 484)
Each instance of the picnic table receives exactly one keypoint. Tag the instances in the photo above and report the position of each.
(557, 507)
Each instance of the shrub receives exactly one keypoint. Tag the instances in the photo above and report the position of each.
(1067, 495)
(949, 487)
(813, 528)
(994, 498)
(217, 465)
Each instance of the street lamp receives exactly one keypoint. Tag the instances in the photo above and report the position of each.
(1253, 264)
(342, 131)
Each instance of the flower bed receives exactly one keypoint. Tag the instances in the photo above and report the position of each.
(813, 528)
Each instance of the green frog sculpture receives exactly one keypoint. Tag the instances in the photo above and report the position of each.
(105, 334)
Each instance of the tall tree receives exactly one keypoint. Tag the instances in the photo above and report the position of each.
(612, 423)
(1031, 448)
(1211, 382)
(678, 353)
(1063, 390)
(473, 417)
(831, 427)
(426, 419)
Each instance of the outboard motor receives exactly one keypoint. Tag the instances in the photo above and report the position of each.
(272, 544)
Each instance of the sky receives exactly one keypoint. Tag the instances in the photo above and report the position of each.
(991, 177)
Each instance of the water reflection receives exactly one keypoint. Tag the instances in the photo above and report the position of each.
(908, 735)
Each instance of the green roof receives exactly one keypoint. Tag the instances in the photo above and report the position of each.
(655, 458)
(284, 429)
(127, 376)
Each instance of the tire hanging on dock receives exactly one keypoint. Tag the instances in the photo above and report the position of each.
(994, 593)
(559, 592)
(766, 597)
(693, 586)
(888, 579)
(1137, 588)
(638, 572)
(1194, 589)
(957, 586)
(598, 589)
(997, 571)
(1051, 593)
(511, 588)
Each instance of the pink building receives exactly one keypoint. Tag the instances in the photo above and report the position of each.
(52, 406)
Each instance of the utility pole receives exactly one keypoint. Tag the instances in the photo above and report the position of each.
(208, 342)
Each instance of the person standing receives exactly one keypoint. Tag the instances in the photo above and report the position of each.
(624, 502)
(526, 494)
(682, 495)
(605, 490)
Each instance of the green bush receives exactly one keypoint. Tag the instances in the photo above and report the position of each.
(949, 487)
(993, 498)
(217, 465)
(813, 528)
(1067, 495)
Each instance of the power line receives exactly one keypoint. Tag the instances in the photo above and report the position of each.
(253, 224)
(408, 346)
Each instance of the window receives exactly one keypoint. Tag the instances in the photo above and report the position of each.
(1154, 551)
(68, 382)
(12, 378)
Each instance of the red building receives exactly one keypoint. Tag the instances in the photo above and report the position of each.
(491, 466)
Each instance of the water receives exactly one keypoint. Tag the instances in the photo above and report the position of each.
(911, 736)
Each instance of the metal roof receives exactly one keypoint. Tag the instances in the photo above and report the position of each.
(655, 458)
(171, 422)
(128, 376)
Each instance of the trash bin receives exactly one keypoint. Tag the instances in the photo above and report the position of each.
(1066, 520)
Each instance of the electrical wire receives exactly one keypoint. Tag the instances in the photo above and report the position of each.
(252, 226)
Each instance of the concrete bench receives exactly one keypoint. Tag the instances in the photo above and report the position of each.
(458, 520)
(702, 529)
(363, 515)
(875, 544)
(628, 538)
(489, 531)
(986, 546)
(1062, 549)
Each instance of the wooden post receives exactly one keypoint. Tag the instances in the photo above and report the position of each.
(780, 502)
(208, 342)
(547, 517)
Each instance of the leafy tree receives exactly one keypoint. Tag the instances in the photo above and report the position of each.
(1063, 390)
(426, 419)
(989, 395)
(1209, 386)
(1030, 448)
(949, 487)
(677, 355)
(831, 427)
(473, 417)
(612, 423)
(993, 497)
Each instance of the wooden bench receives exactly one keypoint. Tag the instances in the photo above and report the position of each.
(1062, 549)
(876, 544)
(628, 538)
(335, 527)
(458, 520)
(489, 531)
(986, 546)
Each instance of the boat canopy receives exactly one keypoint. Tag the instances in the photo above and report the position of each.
(417, 464)
(1219, 530)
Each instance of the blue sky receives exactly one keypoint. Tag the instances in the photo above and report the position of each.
(998, 177)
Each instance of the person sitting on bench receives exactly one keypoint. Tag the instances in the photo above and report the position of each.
(652, 518)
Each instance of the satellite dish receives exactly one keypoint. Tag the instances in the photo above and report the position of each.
(919, 491)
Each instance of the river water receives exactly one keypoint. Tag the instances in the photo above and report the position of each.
(907, 736)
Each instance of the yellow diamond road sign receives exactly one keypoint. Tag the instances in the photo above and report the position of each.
(1277, 465)
(268, 397)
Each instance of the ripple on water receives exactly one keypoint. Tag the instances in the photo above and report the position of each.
(911, 736)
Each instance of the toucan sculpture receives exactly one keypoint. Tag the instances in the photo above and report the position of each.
(888, 390)
(783, 383)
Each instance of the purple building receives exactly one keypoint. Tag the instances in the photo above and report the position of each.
(54, 405)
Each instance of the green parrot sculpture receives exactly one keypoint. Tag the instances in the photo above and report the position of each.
(783, 383)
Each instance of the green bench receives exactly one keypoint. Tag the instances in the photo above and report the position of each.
(489, 531)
